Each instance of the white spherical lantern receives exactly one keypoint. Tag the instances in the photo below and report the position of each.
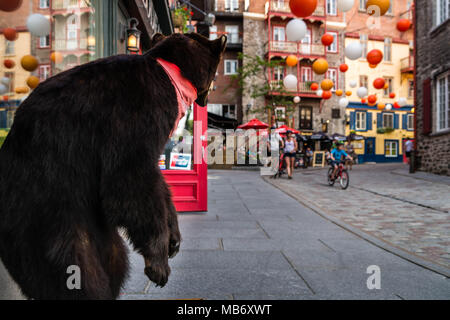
(290, 82)
(353, 84)
(5, 81)
(353, 51)
(38, 25)
(297, 99)
(345, 5)
(319, 92)
(3, 89)
(343, 102)
(295, 30)
(402, 102)
(388, 107)
(362, 92)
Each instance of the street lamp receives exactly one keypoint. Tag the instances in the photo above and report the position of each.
(133, 36)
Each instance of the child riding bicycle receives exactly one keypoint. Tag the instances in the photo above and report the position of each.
(336, 158)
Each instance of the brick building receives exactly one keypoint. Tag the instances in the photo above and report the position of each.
(432, 86)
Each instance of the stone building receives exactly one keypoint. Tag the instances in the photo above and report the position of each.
(432, 80)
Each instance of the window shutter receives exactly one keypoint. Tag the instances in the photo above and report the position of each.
(396, 118)
(405, 121)
(3, 119)
(379, 120)
(369, 121)
(426, 106)
(352, 120)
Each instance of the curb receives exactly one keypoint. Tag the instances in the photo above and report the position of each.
(369, 238)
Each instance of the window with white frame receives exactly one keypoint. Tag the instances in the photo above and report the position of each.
(410, 88)
(390, 87)
(232, 34)
(388, 120)
(333, 48)
(229, 111)
(387, 49)
(362, 5)
(278, 73)
(331, 7)
(44, 4)
(443, 101)
(279, 33)
(360, 122)
(213, 33)
(9, 48)
(44, 42)
(231, 5)
(231, 66)
(332, 75)
(442, 11)
(44, 72)
(410, 122)
(390, 148)
(306, 74)
(363, 39)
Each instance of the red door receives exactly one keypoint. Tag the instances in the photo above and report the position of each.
(189, 187)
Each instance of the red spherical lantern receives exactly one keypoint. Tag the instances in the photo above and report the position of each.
(314, 86)
(374, 56)
(303, 8)
(343, 67)
(327, 39)
(378, 83)
(10, 5)
(327, 95)
(403, 25)
(372, 99)
(363, 100)
(9, 64)
(396, 105)
(10, 34)
(392, 95)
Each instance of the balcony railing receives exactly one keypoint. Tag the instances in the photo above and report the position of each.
(70, 45)
(69, 4)
(233, 6)
(297, 47)
(302, 87)
(407, 64)
(283, 7)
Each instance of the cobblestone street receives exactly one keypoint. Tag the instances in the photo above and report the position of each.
(409, 212)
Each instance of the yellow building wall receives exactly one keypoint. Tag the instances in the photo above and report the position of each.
(383, 70)
(22, 46)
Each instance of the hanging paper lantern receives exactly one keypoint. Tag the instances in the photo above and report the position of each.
(388, 107)
(386, 86)
(3, 89)
(38, 25)
(314, 86)
(303, 8)
(339, 92)
(296, 30)
(327, 39)
(348, 93)
(353, 84)
(403, 25)
(10, 5)
(29, 63)
(413, 110)
(56, 57)
(343, 67)
(402, 102)
(21, 90)
(373, 66)
(290, 82)
(363, 101)
(326, 84)
(353, 51)
(9, 64)
(33, 82)
(383, 6)
(396, 105)
(297, 99)
(379, 83)
(10, 34)
(327, 95)
(343, 102)
(361, 92)
(381, 106)
(392, 95)
(291, 60)
(372, 99)
(5, 81)
(319, 92)
(374, 56)
(345, 5)
(320, 66)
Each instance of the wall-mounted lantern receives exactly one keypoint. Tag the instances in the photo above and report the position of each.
(133, 36)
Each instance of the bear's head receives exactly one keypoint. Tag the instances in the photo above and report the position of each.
(195, 55)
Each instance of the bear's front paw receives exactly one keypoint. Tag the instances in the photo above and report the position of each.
(158, 273)
(174, 243)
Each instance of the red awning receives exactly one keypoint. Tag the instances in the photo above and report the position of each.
(254, 124)
(284, 128)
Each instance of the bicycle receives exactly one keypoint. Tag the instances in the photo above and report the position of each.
(342, 175)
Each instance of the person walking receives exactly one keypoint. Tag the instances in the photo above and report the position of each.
(350, 151)
(409, 145)
(290, 148)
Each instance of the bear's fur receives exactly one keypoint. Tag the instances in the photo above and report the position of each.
(81, 160)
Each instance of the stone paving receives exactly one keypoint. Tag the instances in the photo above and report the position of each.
(411, 212)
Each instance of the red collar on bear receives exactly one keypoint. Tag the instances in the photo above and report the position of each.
(186, 92)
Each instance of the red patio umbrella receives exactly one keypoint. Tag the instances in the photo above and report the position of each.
(284, 128)
(254, 124)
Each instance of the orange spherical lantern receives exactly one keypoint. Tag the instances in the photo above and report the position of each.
(343, 67)
(374, 56)
(348, 93)
(363, 100)
(56, 57)
(302, 8)
(403, 25)
(320, 66)
(33, 82)
(339, 92)
(10, 5)
(29, 63)
(327, 39)
(379, 83)
(9, 64)
(383, 6)
(326, 84)
(10, 34)
(381, 106)
(372, 99)
(392, 95)
(326, 95)
(314, 86)
(413, 110)
(22, 90)
(373, 66)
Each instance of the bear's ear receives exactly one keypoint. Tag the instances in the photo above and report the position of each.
(220, 44)
(156, 38)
